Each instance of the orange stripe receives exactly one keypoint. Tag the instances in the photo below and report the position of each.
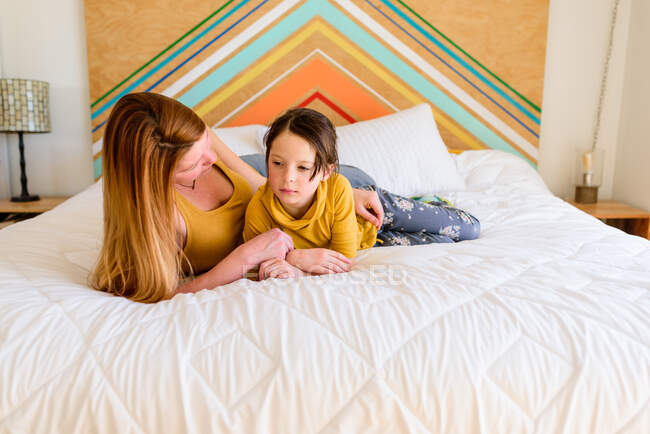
(316, 73)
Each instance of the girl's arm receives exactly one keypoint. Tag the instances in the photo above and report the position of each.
(277, 268)
(270, 244)
(344, 240)
(319, 261)
(344, 236)
(235, 163)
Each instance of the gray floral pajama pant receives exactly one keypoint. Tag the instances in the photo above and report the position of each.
(408, 222)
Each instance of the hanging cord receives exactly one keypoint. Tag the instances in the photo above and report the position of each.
(603, 84)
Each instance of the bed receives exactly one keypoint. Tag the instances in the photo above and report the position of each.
(542, 325)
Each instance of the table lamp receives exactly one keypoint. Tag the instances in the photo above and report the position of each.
(24, 108)
(589, 175)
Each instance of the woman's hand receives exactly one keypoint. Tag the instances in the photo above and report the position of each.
(277, 268)
(268, 245)
(319, 261)
(367, 205)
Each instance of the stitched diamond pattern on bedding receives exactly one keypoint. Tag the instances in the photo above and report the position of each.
(540, 326)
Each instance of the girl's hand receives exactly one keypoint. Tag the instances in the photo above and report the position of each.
(368, 206)
(277, 268)
(319, 261)
(271, 244)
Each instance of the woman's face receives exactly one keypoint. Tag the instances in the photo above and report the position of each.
(196, 161)
(290, 166)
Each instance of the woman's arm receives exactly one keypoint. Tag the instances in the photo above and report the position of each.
(271, 244)
(232, 267)
(235, 163)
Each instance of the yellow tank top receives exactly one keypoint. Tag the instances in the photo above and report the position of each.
(212, 235)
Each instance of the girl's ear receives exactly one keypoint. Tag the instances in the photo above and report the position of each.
(327, 172)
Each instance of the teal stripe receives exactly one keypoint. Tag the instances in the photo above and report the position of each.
(529, 102)
(467, 66)
(159, 54)
(248, 55)
(97, 167)
(162, 64)
(353, 32)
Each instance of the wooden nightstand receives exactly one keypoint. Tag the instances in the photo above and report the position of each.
(629, 219)
(12, 212)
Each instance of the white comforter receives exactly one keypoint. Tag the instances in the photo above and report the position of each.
(541, 325)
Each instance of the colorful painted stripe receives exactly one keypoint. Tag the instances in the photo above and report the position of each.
(175, 54)
(290, 70)
(229, 47)
(215, 58)
(526, 112)
(530, 103)
(352, 31)
(438, 77)
(225, 92)
(169, 47)
(329, 103)
(454, 56)
(301, 16)
(316, 73)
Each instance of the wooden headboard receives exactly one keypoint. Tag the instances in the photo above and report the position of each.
(479, 64)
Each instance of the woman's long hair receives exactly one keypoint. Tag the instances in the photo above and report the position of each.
(145, 137)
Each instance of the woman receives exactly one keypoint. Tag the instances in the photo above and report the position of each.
(174, 202)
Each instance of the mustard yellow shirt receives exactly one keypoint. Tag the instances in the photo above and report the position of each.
(212, 235)
(330, 221)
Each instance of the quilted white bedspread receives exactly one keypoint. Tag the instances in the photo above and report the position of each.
(540, 326)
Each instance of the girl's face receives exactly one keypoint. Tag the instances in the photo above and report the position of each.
(196, 161)
(290, 166)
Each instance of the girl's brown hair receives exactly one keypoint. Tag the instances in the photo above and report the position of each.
(145, 137)
(312, 126)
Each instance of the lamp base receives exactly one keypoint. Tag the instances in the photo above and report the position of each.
(28, 198)
(586, 194)
(24, 194)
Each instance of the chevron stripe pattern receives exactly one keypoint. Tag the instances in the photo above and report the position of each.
(246, 61)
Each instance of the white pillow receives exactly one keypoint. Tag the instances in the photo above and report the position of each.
(243, 140)
(403, 152)
(490, 168)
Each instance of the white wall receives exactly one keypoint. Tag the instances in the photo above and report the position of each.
(4, 155)
(632, 179)
(578, 34)
(45, 40)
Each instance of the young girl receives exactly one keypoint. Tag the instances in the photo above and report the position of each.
(306, 198)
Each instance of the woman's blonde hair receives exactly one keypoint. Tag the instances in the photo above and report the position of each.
(145, 137)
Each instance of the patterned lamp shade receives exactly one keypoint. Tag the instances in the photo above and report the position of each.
(24, 106)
